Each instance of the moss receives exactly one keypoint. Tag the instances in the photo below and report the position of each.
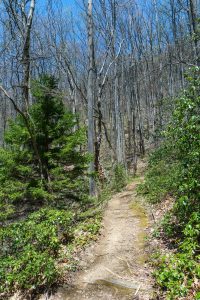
(140, 213)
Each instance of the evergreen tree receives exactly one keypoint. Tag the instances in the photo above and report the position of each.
(58, 144)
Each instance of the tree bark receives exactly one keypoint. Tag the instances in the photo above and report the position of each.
(90, 98)
(26, 55)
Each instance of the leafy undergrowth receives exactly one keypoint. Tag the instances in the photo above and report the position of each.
(32, 250)
(177, 272)
(160, 178)
(43, 169)
(28, 250)
(42, 249)
(174, 170)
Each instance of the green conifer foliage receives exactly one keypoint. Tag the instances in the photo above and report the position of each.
(58, 144)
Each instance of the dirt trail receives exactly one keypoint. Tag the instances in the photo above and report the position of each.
(114, 268)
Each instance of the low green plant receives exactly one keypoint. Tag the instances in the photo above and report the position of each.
(29, 270)
(177, 272)
(87, 230)
(29, 249)
(161, 177)
(175, 169)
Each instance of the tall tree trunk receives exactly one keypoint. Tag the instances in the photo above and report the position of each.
(90, 98)
(26, 55)
(119, 130)
(118, 121)
(194, 29)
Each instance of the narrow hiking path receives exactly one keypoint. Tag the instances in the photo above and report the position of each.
(114, 267)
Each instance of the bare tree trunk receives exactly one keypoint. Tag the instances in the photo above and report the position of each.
(26, 55)
(194, 27)
(119, 130)
(90, 98)
(118, 121)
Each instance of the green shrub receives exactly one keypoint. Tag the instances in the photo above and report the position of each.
(29, 270)
(175, 168)
(29, 249)
(160, 180)
(119, 178)
(87, 230)
(176, 273)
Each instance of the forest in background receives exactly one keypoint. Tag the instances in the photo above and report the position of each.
(95, 87)
(140, 53)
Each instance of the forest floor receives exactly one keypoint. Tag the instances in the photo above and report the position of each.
(116, 267)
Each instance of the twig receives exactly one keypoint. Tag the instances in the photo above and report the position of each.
(111, 272)
(128, 265)
(137, 290)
